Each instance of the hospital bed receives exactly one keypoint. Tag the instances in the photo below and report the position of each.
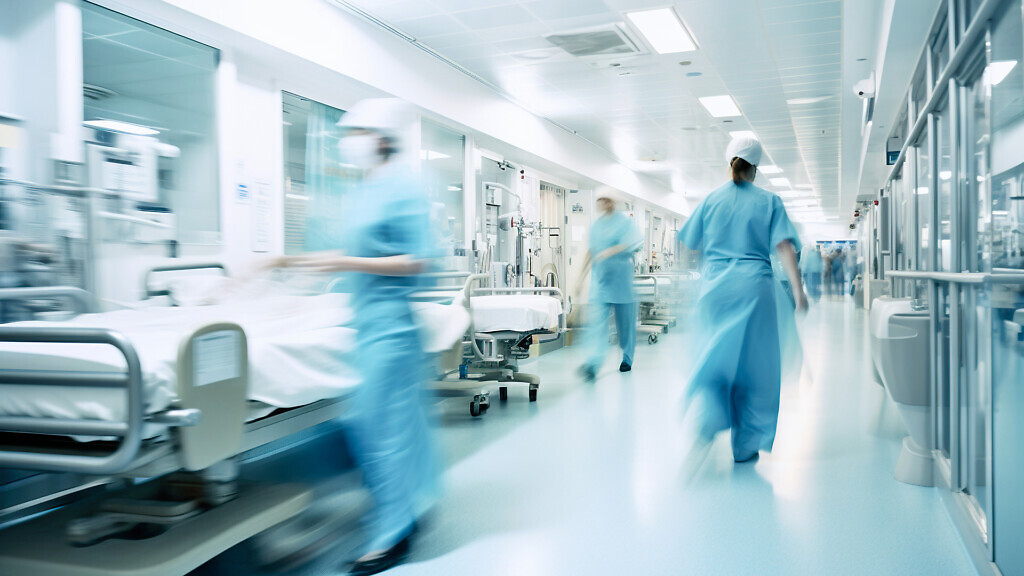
(174, 394)
(506, 322)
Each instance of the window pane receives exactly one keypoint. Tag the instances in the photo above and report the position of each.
(162, 86)
(443, 158)
(315, 183)
(923, 193)
(944, 190)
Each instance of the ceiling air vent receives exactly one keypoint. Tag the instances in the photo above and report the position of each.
(604, 41)
(97, 93)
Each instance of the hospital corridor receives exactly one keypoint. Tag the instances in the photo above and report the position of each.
(511, 287)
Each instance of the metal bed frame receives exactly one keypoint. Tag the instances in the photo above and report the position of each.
(498, 354)
(193, 463)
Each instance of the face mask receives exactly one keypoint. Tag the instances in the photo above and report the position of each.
(361, 151)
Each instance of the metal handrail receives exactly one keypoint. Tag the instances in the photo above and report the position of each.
(130, 430)
(974, 278)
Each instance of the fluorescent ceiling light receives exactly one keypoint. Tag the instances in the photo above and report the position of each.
(296, 196)
(742, 134)
(791, 194)
(720, 106)
(801, 101)
(122, 127)
(432, 155)
(782, 182)
(769, 169)
(998, 71)
(803, 202)
(664, 30)
(945, 175)
(454, 189)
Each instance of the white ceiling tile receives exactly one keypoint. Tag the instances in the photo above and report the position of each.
(505, 16)
(549, 10)
(428, 26)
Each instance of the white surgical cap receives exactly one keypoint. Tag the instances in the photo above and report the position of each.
(744, 147)
(607, 193)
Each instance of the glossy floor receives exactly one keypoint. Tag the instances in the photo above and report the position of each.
(589, 480)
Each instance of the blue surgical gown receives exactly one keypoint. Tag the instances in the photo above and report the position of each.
(737, 377)
(390, 217)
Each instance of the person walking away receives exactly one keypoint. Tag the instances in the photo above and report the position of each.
(811, 266)
(614, 240)
(736, 383)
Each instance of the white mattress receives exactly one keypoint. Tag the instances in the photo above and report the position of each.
(300, 351)
(515, 312)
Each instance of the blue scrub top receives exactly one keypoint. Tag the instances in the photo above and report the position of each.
(739, 222)
(390, 216)
(612, 278)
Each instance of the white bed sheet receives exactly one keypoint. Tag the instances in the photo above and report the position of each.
(515, 312)
(300, 351)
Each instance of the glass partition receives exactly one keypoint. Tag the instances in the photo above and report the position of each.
(923, 195)
(944, 189)
(151, 125)
(315, 180)
(443, 159)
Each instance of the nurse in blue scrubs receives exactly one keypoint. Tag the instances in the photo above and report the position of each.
(389, 244)
(614, 239)
(736, 383)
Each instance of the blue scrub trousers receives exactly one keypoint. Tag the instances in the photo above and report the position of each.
(597, 336)
(391, 439)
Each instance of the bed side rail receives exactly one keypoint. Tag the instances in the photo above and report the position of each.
(80, 301)
(129, 431)
(151, 291)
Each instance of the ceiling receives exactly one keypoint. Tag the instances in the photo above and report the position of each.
(780, 59)
(159, 79)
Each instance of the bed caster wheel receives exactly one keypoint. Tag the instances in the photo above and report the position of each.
(475, 409)
(652, 339)
(503, 393)
(533, 394)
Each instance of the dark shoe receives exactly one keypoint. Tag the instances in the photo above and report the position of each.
(588, 374)
(625, 367)
(741, 458)
(393, 557)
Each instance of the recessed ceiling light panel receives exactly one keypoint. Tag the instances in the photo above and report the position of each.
(720, 106)
(664, 30)
(122, 127)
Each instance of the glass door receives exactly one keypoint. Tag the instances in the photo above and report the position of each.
(975, 415)
(1000, 248)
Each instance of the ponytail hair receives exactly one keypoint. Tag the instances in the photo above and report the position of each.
(740, 169)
